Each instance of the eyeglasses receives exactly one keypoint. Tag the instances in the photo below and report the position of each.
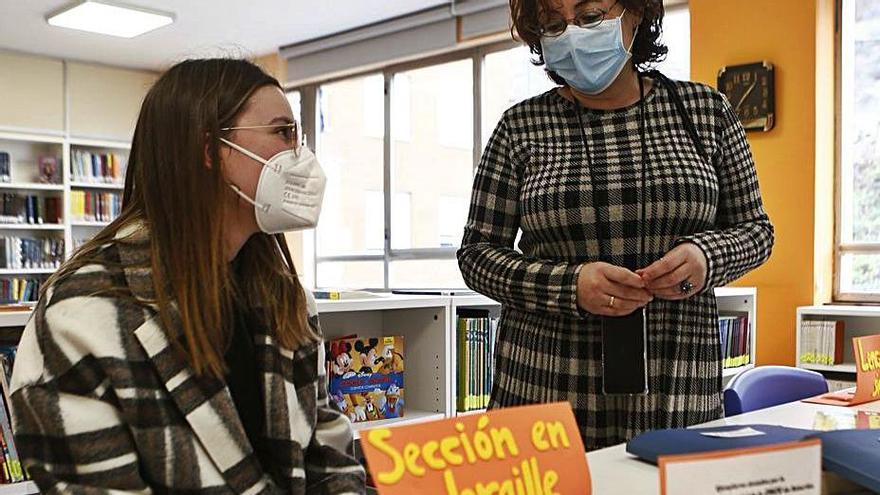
(584, 16)
(289, 132)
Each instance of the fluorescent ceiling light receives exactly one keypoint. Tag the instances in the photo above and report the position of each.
(106, 18)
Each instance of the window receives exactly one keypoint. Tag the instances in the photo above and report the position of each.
(512, 78)
(352, 158)
(349, 274)
(451, 212)
(374, 108)
(858, 256)
(426, 161)
(402, 108)
(677, 37)
(437, 163)
(295, 100)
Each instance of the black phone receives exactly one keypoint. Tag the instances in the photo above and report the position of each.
(625, 354)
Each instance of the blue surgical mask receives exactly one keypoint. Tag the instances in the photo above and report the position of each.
(589, 59)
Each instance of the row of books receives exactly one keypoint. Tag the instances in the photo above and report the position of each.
(91, 206)
(96, 167)
(29, 209)
(27, 253)
(736, 342)
(821, 342)
(365, 377)
(475, 362)
(19, 290)
(11, 471)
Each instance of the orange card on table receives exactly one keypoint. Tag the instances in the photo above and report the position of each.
(867, 353)
(528, 450)
(793, 467)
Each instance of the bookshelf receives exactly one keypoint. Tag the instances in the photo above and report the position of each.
(31, 187)
(26, 150)
(858, 321)
(429, 327)
(423, 321)
(729, 299)
(95, 185)
(739, 300)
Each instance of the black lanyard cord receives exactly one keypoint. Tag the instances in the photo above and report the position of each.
(643, 172)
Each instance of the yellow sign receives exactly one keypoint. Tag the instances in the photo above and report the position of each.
(528, 450)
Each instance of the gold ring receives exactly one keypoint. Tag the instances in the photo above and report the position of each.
(611, 302)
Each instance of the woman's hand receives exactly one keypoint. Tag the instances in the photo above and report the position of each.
(683, 267)
(608, 290)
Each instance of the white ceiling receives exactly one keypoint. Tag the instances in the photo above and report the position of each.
(201, 28)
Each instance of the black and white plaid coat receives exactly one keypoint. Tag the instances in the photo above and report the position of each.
(534, 176)
(103, 403)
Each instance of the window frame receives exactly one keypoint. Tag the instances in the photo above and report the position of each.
(309, 92)
(844, 248)
(309, 100)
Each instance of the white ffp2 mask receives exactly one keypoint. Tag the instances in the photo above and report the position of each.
(289, 192)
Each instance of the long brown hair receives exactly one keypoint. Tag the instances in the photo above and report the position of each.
(529, 16)
(181, 202)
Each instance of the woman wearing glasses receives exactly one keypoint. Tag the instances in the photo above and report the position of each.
(636, 196)
(177, 351)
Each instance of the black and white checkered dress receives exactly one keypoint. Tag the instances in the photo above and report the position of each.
(534, 176)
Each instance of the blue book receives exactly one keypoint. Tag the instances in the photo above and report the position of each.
(854, 455)
(652, 444)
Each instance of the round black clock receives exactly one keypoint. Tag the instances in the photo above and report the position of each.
(749, 88)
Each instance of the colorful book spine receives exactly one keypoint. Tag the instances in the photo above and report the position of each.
(13, 470)
(19, 253)
(735, 338)
(106, 168)
(475, 336)
(91, 206)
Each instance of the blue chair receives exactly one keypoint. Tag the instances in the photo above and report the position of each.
(767, 386)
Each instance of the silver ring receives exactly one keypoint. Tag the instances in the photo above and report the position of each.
(611, 302)
(685, 286)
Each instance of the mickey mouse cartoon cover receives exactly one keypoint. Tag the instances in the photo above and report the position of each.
(366, 377)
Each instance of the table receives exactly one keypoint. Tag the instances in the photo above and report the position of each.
(614, 471)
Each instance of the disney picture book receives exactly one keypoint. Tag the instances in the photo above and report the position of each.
(366, 377)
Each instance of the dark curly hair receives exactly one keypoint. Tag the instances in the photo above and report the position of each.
(529, 15)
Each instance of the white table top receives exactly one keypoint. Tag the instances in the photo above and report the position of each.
(614, 471)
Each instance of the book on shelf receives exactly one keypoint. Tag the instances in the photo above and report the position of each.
(735, 333)
(99, 168)
(366, 377)
(475, 342)
(93, 206)
(5, 166)
(18, 253)
(30, 209)
(12, 468)
(15, 290)
(821, 342)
